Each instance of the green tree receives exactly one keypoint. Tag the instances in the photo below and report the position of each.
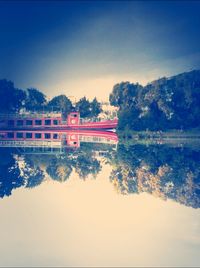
(61, 103)
(87, 108)
(166, 103)
(124, 94)
(35, 100)
(129, 118)
(95, 107)
(84, 107)
(11, 98)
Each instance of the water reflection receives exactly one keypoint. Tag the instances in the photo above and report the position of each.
(29, 157)
(167, 171)
(161, 170)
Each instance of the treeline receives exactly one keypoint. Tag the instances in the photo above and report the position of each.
(164, 104)
(13, 100)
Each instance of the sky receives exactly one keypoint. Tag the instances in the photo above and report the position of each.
(87, 224)
(83, 48)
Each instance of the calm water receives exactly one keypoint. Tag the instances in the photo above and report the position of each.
(101, 205)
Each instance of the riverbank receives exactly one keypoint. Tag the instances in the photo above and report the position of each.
(172, 137)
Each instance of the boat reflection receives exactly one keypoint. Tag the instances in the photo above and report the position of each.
(54, 140)
(31, 156)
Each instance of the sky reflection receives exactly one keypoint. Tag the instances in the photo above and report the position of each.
(85, 223)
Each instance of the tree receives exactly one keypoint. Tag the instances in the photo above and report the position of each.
(129, 118)
(84, 107)
(124, 94)
(87, 108)
(35, 100)
(61, 103)
(11, 98)
(95, 108)
(166, 103)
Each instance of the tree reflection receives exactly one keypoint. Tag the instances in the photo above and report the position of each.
(9, 173)
(162, 171)
(17, 171)
(28, 170)
(59, 169)
(86, 166)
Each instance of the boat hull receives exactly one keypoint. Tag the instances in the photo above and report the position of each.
(94, 126)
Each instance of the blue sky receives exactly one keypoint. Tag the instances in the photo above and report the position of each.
(83, 48)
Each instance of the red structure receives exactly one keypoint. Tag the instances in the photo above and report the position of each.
(54, 121)
(73, 119)
(54, 138)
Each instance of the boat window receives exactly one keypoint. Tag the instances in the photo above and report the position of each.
(55, 136)
(47, 135)
(2, 121)
(19, 135)
(29, 122)
(55, 122)
(38, 135)
(38, 122)
(2, 135)
(10, 123)
(29, 135)
(20, 122)
(10, 135)
(63, 136)
(47, 122)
